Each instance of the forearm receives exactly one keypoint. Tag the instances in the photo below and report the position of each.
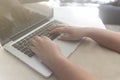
(66, 70)
(105, 38)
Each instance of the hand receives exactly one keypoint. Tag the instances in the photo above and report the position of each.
(45, 49)
(70, 33)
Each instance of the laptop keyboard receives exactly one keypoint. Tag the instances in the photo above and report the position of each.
(23, 45)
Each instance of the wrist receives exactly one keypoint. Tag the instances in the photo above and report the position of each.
(55, 62)
(88, 32)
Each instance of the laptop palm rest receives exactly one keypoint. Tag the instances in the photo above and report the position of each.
(67, 47)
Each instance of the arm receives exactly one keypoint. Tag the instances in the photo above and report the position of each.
(106, 38)
(66, 70)
(52, 57)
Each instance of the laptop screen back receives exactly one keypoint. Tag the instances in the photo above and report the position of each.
(18, 20)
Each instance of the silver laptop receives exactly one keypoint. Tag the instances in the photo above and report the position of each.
(19, 28)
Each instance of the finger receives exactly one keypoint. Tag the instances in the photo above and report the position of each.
(45, 37)
(33, 41)
(37, 38)
(64, 37)
(60, 30)
(34, 50)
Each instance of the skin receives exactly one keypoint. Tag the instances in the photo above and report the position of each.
(62, 67)
(52, 56)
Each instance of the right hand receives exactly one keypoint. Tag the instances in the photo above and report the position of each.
(70, 33)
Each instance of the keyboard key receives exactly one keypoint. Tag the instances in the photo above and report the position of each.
(23, 45)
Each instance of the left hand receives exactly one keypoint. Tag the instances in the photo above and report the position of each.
(45, 49)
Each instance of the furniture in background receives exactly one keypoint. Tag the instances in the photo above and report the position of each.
(110, 13)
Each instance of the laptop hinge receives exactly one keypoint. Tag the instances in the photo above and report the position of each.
(4, 42)
(22, 33)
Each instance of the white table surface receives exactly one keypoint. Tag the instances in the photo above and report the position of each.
(79, 16)
(99, 61)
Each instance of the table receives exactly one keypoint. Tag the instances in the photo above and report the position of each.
(99, 61)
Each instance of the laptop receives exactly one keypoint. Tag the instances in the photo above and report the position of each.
(20, 26)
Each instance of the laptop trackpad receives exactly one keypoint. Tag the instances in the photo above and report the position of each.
(67, 47)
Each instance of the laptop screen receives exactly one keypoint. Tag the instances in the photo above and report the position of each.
(20, 19)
